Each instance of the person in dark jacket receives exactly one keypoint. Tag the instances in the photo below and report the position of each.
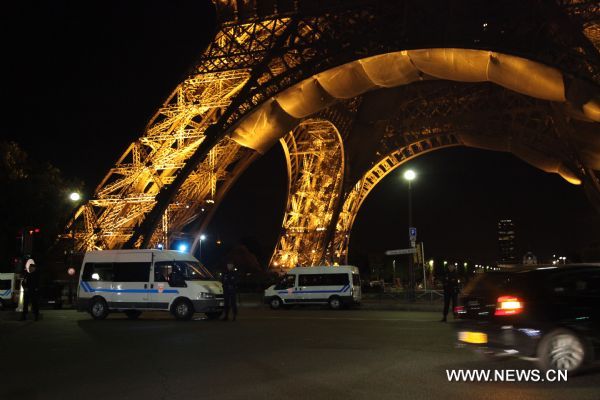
(229, 281)
(450, 290)
(31, 292)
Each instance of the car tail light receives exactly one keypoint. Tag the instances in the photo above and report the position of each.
(509, 305)
(459, 310)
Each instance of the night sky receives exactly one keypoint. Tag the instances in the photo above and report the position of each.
(83, 78)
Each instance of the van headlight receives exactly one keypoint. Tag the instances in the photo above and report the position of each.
(205, 296)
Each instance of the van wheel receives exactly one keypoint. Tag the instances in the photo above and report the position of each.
(275, 303)
(213, 315)
(335, 303)
(133, 314)
(98, 308)
(182, 309)
(562, 349)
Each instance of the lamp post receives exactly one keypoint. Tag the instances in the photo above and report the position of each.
(201, 239)
(75, 197)
(410, 175)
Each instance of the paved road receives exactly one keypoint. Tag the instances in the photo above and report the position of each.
(288, 354)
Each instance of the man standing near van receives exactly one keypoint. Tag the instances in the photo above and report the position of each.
(450, 290)
(31, 292)
(229, 281)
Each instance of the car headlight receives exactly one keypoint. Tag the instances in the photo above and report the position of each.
(206, 295)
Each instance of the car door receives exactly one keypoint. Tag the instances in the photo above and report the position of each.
(132, 284)
(165, 287)
(287, 288)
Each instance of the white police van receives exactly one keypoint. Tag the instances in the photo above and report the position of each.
(133, 281)
(9, 291)
(336, 286)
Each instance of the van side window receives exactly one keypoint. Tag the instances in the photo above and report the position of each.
(323, 280)
(5, 284)
(99, 272)
(356, 279)
(132, 271)
(288, 281)
(170, 272)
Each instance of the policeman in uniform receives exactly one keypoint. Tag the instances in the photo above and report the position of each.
(229, 281)
(450, 290)
(31, 292)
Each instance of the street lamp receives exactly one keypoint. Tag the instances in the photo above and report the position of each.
(74, 197)
(410, 175)
(201, 239)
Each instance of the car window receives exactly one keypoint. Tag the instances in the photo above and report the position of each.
(323, 280)
(132, 271)
(288, 281)
(100, 272)
(576, 283)
(5, 284)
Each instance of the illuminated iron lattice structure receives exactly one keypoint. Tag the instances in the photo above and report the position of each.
(351, 90)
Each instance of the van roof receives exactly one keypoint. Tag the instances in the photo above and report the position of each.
(157, 255)
(7, 275)
(323, 269)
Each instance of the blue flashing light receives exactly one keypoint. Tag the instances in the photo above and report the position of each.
(183, 247)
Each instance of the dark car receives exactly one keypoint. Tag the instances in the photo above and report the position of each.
(51, 295)
(550, 313)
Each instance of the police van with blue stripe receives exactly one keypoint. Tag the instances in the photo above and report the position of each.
(133, 281)
(8, 290)
(336, 286)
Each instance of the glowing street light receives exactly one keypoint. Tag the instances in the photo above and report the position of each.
(410, 175)
(74, 196)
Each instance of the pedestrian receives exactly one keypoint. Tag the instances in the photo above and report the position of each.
(450, 290)
(31, 292)
(229, 281)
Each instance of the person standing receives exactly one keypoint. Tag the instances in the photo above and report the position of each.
(450, 290)
(229, 281)
(31, 292)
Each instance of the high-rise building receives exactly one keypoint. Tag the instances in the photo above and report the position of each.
(506, 242)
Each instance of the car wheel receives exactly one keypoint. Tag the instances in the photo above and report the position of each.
(182, 309)
(98, 308)
(133, 314)
(335, 303)
(213, 315)
(275, 303)
(562, 349)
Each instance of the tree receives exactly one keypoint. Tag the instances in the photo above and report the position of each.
(34, 195)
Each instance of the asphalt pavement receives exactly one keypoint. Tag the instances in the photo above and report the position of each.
(309, 353)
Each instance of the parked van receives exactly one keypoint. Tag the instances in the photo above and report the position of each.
(336, 286)
(9, 290)
(133, 281)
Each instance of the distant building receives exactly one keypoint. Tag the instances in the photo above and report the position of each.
(506, 242)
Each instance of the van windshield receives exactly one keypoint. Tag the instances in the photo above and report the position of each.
(194, 271)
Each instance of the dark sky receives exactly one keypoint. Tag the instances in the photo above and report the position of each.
(84, 77)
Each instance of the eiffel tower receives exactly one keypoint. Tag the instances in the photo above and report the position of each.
(351, 90)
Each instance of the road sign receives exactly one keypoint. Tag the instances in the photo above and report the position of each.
(400, 251)
(412, 233)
